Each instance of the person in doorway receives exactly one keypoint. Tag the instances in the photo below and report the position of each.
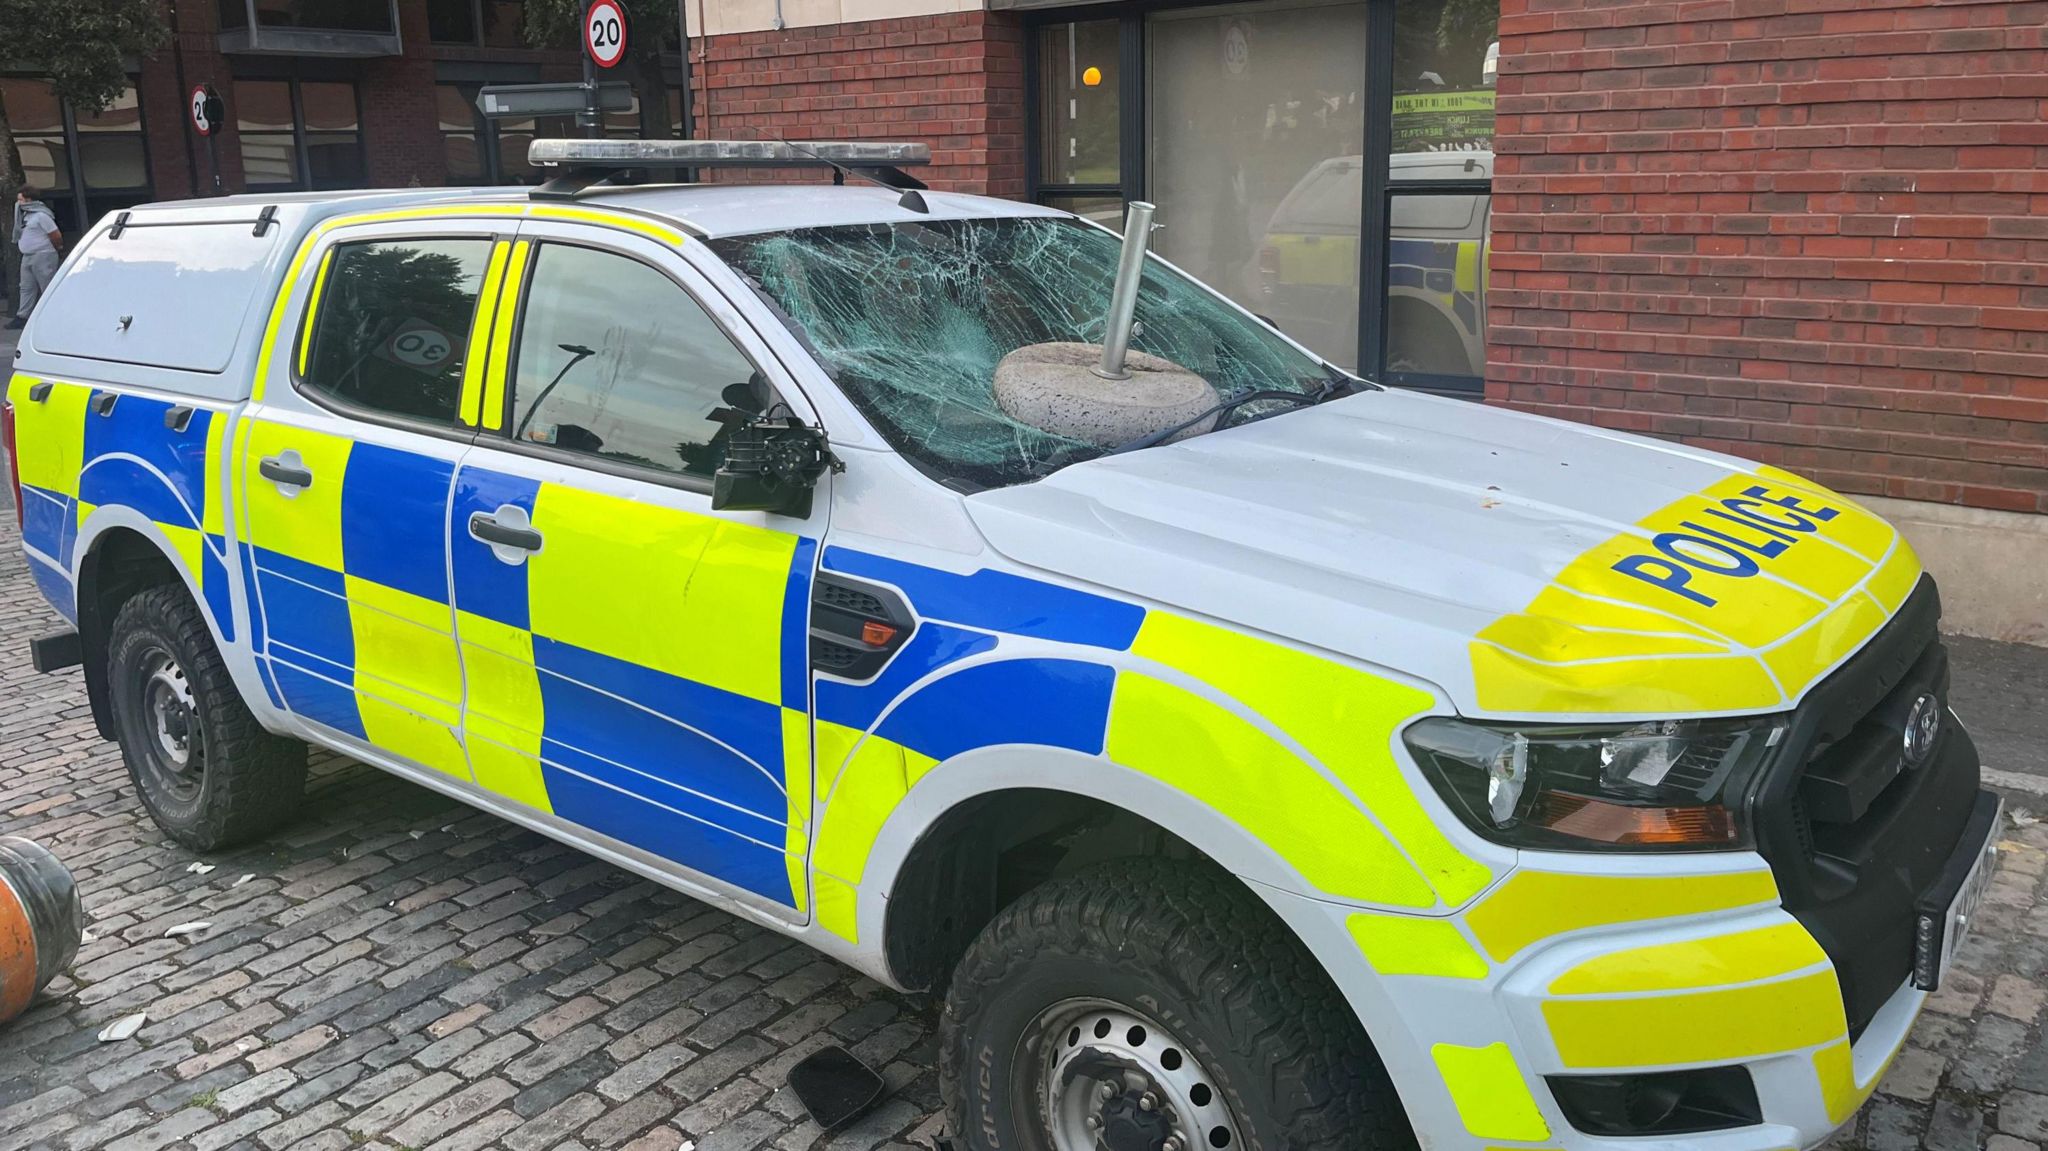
(36, 234)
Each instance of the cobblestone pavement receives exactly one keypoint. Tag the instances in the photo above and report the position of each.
(399, 971)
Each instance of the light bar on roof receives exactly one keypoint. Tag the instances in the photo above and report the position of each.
(726, 153)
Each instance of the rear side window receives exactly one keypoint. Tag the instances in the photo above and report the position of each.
(617, 361)
(393, 325)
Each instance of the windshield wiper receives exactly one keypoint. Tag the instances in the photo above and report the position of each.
(1332, 388)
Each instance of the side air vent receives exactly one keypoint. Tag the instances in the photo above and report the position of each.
(856, 627)
(832, 593)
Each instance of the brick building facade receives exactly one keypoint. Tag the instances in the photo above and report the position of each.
(1815, 234)
(402, 142)
(954, 80)
(1810, 232)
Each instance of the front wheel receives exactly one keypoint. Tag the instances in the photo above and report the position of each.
(204, 769)
(1147, 1005)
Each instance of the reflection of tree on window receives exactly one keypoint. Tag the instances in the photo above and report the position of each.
(1440, 45)
(394, 325)
(1443, 98)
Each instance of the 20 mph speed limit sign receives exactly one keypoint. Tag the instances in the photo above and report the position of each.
(604, 33)
(206, 110)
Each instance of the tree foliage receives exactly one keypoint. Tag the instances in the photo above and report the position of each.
(80, 44)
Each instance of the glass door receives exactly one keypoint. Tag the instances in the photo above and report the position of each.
(1255, 147)
(1080, 119)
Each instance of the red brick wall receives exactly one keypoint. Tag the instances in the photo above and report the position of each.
(401, 122)
(400, 126)
(170, 142)
(1812, 232)
(954, 80)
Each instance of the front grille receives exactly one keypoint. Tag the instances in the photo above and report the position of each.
(1853, 838)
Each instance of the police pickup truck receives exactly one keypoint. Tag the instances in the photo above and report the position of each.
(1251, 755)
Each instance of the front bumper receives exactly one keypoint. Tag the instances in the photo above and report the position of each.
(1474, 1045)
(1789, 970)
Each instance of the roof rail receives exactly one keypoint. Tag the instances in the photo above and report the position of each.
(589, 162)
(262, 221)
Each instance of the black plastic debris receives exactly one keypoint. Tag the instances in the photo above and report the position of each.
(834, 1087)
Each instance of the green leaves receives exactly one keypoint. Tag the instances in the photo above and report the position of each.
(81, 44)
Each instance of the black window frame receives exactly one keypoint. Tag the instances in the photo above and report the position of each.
(302, 155)
(1377, 194)
(477, 36)
(78, 196)
(484, 130)
(244, 17)
(307, 328)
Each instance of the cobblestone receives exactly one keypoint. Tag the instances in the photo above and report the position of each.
(479, 988)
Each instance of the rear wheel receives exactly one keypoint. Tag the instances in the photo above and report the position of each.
(1148, 1005)
(204, 769)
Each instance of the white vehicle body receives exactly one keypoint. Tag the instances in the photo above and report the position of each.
(1224, 637)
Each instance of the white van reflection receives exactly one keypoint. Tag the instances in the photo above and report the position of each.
(1305, 278)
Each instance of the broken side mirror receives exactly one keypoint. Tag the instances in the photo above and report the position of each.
(772, 464)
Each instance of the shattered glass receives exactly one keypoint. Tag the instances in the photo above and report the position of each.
(911, 319)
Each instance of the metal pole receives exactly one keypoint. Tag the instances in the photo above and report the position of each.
(1123, 298)
(185, 90)
(590, 119)
(687, 130)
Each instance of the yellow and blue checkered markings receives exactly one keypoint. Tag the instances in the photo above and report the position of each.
(673, 722)
(1347, 822)
(351, 599)
(49, 436)
(78, 453)
(876, 739)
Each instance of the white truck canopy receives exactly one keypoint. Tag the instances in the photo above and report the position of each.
(174, 296)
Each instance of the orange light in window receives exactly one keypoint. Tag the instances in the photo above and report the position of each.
(1604, 822)
(876, 634)
(1091, 76)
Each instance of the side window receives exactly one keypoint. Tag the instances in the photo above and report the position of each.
(618, 361)
(393, 325)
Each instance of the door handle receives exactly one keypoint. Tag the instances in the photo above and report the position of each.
(277, 471)
(486, 527)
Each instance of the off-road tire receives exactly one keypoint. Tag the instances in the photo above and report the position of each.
(1187, 945)
(252, 780)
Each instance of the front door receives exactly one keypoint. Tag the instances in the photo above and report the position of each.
(344, 474)
(636, 660)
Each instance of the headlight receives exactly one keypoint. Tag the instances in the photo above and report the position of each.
(1673, 785)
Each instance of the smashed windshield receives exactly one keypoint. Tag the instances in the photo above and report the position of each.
(912, 319)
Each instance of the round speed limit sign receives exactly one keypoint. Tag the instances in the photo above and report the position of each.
(604, 33)
(205, 110)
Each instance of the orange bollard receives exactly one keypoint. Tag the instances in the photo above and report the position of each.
(41, 922)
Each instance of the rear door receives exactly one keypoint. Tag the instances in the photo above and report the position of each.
(636, 660)
(345, 471)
